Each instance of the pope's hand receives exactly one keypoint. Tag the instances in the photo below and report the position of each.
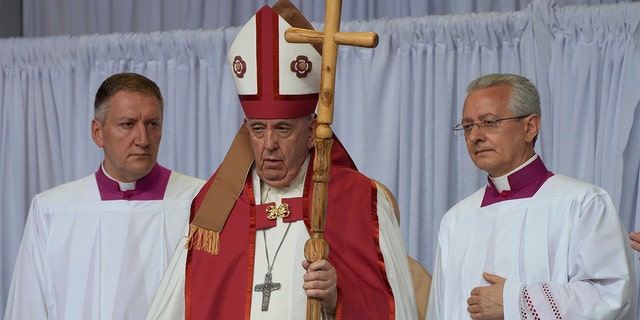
(320, 282)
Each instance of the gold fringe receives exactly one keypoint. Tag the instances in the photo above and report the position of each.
(203, 240)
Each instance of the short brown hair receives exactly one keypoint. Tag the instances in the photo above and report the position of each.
(126, 81)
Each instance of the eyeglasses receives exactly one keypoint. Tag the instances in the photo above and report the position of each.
(465, 128)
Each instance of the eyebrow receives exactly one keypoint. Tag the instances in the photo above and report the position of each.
(481, 117)
(275, 124)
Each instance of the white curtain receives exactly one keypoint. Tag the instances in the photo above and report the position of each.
(76, 17)
(395, 105)
(47, 86)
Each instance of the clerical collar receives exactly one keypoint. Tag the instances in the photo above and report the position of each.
(150, 187)
(523, 182)
(124, 186)
(502, 183)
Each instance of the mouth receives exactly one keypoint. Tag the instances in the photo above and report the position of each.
(481, 151)
(139, 155)
(271, 163)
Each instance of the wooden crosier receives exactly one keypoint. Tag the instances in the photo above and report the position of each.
(316, 247)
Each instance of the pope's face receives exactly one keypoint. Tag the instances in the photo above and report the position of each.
(130, 135)
(501, 149)
(280, 147)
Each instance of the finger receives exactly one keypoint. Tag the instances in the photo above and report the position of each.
(492, 278)
(314, 281)
(317, 265)
(474, 312)
(315, 293)
(316, 285)
(328, 297)
(320, 265)
(316, 276)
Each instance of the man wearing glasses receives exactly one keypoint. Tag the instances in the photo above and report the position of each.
(530, 244)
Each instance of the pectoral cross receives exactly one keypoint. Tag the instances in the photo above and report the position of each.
(266, 287)
(316, 247)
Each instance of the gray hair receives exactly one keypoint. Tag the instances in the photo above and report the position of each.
(126, 81)
(525, 98)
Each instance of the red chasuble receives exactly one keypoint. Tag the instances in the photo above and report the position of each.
(220, 286)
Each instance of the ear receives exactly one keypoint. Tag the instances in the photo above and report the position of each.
(532, 128)
(313, 126)
(96, 133)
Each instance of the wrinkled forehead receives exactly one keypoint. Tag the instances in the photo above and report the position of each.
(275, 122)
(133, 104)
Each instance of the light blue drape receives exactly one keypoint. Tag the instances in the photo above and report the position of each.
(394, 105)
(77, 17)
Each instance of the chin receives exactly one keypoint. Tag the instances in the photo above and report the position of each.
(482, 165)
(275, 180)
(142, 170)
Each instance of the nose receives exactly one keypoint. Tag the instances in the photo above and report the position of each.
(271, 140)
(141, 135)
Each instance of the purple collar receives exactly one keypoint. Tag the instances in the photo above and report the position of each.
(150, 187)
(524, 183)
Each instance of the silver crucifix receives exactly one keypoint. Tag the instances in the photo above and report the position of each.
(266, 287)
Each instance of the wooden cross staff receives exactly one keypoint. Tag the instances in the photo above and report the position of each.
(316, 247)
